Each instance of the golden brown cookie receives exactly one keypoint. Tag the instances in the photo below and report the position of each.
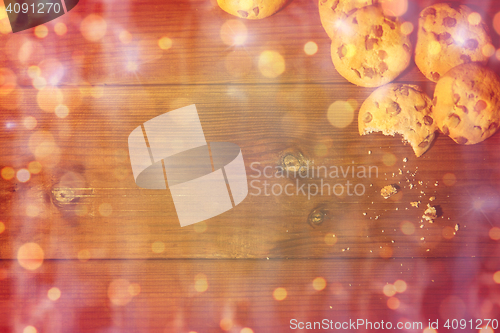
(467, 103)
(399, 109)
(369, 48)
(251, 9)
(332, 12)
(448, 37)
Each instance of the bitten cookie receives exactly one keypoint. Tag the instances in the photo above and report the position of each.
(251, 9)
(369, 48)
(467, 103)
(448, 37)
(331, 12)
(399, 109)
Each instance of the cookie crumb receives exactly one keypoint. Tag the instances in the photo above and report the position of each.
(388, 191)
(457, 227)
(405, 160)
(430, 214)
(415, 204)
(432, 198)
(369, 152)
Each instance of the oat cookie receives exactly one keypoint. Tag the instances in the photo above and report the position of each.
(251, 9)
(399, 109)
(467, 103)
(448, 37)
(369, 48)
(332, 12)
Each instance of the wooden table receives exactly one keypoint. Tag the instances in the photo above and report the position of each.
(116, 253)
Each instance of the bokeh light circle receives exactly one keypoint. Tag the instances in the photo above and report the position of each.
(340, 114)
(30, 256)
(93, 27)
(271, 64)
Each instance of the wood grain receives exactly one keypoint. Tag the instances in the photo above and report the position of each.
(84, 204)
(264, 122)
(198, 54)
(241, 292)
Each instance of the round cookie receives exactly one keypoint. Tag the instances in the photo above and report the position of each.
(448, 37)
(369, 48)
(331, 12)
(251, 9)
(399, 109)
(467, 103)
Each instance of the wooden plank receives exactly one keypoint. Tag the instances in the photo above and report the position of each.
(113, 218)
(197, 295)
(198, 54)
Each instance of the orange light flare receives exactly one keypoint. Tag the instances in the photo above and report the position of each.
(8, 81)
(407, 228)
(8, 173)
(486, 329)
(448, 232)
(52, 70)
(233, 33)
(319, 283)
(400, 286)
(393, 303)
(271, 64)
(30, 329)
(200, 283)
(121, 291)
(496, 23)
(226, 324)
(30, 122)
(340, 114)
(389, 290)
(5, 27)
(429, 330)
(311, 48)
(41, 31)
(496, 277)
(54, 294)
(394, 7)
(93, 28)
(30, 256)
(494, 233)
(125, 37)
(42, 144)
(60, 29)
(280, 294)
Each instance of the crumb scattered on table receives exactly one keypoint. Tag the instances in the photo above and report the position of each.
(388, 191)
(430, 214)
